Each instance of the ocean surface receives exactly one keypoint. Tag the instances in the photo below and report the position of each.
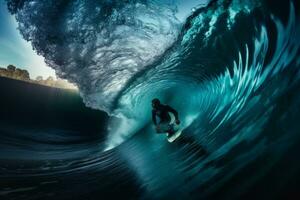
(230, 67)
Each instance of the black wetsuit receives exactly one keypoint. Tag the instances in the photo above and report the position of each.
(162, 111)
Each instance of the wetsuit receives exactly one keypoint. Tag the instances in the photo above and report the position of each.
(162, 111)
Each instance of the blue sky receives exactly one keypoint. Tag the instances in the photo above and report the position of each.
(15, 50)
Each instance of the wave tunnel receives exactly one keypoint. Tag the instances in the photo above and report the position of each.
(230, 67)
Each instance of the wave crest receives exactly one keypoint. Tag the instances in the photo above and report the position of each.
(98, 45)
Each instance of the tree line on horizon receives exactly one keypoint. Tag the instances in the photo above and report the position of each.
(13, 72)
(21, 74)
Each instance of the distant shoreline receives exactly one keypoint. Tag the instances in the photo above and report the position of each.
(14, 73)
(37, 83)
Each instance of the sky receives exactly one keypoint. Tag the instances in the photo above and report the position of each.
(16, 51)
(186, 6)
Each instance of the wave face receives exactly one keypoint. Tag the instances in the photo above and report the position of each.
(98, 45)
(231, 69)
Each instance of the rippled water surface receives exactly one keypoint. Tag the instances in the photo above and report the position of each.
(230, 67)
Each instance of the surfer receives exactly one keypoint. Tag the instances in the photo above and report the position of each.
(162, 112)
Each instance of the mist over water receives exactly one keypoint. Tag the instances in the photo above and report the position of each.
(231, 69)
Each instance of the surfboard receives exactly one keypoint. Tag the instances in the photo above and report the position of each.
(177, 128)
(174, 137)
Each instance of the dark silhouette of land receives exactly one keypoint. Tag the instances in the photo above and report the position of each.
(13, 72)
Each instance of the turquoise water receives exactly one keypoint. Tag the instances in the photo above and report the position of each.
(231, 69)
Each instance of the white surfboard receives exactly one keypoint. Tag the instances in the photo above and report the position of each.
(176, 127)
(174, 137)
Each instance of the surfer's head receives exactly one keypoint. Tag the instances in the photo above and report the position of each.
(155, 103)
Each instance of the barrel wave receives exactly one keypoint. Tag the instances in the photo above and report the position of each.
(231, 68)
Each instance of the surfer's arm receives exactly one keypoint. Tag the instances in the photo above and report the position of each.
(172, 110)
(154, 117)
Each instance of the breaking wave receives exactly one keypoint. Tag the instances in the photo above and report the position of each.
(226, 67)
